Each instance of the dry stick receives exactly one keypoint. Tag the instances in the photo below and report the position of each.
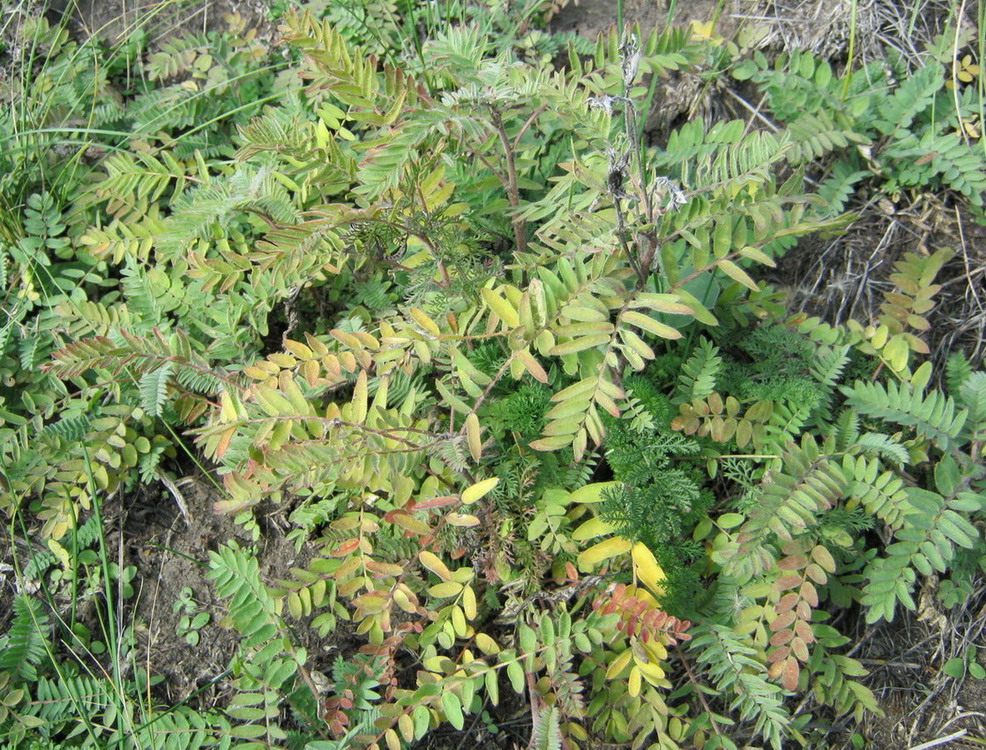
(941, 740)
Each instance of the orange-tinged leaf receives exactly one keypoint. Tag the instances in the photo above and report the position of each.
(345, 547)
(435, 502)
(532, 366)
(792, 671)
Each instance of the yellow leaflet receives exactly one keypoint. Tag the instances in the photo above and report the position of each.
(578, 389)
(478, 490)
(474, 436)
(425, 322)
(504, 310)
(580, 344)
(665, 303)
(592, 493)
(604, 550)
(646, 568)
(647, 323)
(633, 683)
(592, 528)
(445, 590)
(359, 397)
(433, 563)
(346, 339)
(738, 274)
(616, 666)
(486, 644)
(758, 255)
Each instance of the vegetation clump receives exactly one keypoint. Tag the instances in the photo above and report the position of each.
(505, 376)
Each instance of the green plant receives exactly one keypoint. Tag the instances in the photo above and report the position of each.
(191, 621)
(907, 126)
(959, 667)
(508, 372)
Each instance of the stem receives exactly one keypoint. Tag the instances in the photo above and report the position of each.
(698, 692)
(513, 192)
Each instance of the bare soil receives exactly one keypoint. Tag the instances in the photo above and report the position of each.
(114, 20)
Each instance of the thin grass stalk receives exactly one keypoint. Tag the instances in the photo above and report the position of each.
(850, 59)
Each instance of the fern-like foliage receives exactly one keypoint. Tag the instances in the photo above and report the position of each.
(25, 645)
(154, 389)
(734, 668)
(546, 734)
(252, 610)
(932, 415)
(698, 373)
(808, 482)
(881, 492)
(972, 393)
(925, 544)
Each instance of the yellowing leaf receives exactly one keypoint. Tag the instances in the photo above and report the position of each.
(646, 568)
(593, 493)
(469, 604)
(359, 397)
(504, 310)
(592, 528)
(433, 563)
(604, 550)
(486, 644)
(298, 349)
(422, 319)
(633, 683)
(664, 303)
(445, 590)
(738, 274)
(551, 443)
(617, 665)
(580, 344)
(532, 366)
(758, 255)
(463, 520)
(647, 323)
(478, 490)
(474, 437)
